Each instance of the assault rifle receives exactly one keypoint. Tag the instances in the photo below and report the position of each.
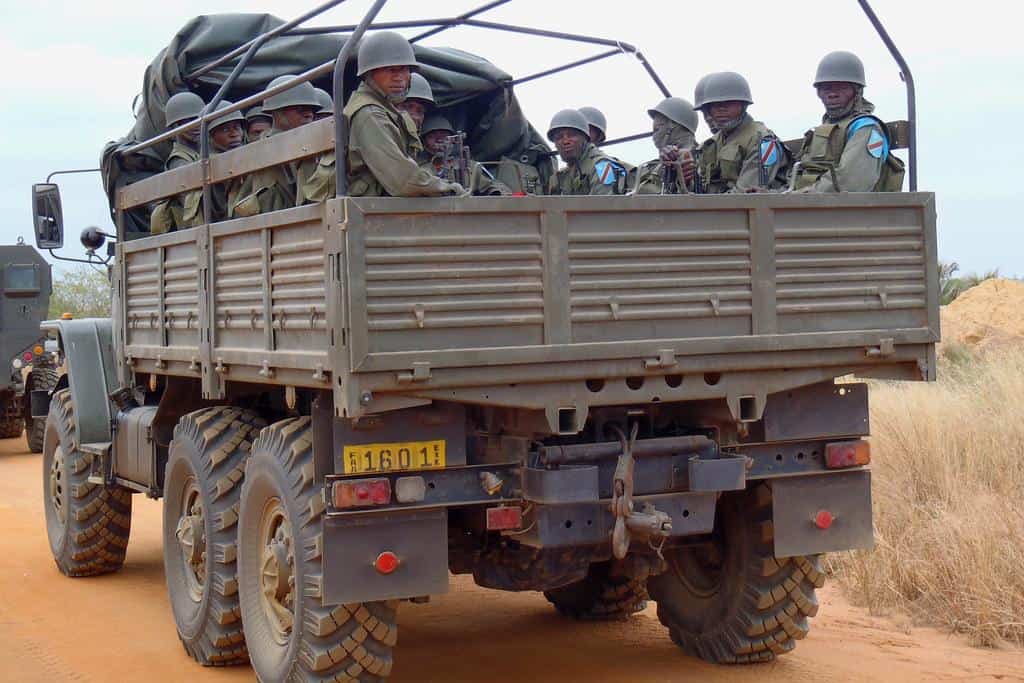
(456, 164)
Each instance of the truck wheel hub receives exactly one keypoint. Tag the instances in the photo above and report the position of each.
(277, 575)
(191, 534)
(56, 484)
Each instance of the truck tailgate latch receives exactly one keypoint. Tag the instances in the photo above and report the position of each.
(666, 359)
(885, 348)
(420, 373)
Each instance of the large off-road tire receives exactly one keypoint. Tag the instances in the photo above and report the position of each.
(732, 601)
(87, 524)
(291, 635)
(602, 595)
(10, 419)
(202, 486)
(41, 377)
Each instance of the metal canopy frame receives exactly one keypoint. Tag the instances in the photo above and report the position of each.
(435, 26)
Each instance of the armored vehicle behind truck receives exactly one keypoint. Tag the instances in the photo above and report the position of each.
(25, 288)
(607, 399)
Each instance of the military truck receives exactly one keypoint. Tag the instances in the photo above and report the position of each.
(607, 399)
(25, 286)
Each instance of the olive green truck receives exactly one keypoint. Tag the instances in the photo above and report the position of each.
(607, 399)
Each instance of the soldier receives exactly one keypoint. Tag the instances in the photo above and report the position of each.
(181, 108)
(326, 104)
(588, 170)
(849, 151)
(597, 123)
(257, 122)
(419, 100)
(436, 129)
(382, 139)
(745, 155)
(272, 189)
(674, 122)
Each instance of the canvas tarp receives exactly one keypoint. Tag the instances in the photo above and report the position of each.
(473, 93)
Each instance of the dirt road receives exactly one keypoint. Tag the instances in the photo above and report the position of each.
(119, 628)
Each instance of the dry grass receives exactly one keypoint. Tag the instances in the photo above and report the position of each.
(948, 486)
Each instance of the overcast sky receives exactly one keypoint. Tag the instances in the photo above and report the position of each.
(72, 69)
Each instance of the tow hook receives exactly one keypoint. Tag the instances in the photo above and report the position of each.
(650, 523)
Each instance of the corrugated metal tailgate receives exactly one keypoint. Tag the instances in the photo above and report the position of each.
(161, 297)
(505, 281)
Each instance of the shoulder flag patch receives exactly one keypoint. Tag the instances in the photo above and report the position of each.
(876, 144)
(769, 151)
(607, 171)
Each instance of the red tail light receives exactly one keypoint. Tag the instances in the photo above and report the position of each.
(847, 454)
(504, 517)
(386, 562)
(362, 493)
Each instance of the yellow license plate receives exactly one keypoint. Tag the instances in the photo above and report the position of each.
(393, 457)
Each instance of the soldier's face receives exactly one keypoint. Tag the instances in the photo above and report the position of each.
(189, 136)
(596, 135)
(393, 80)
(293, 117)
(434, 140)
(256, 128)
(227, 136)
(417, 109)
(709, 121)
(569, 143)
(725, 113)
(836, 96)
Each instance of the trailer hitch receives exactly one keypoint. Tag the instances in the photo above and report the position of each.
(650, 523)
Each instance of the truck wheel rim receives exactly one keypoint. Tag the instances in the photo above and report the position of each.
(699, 568)
(277, 570)
(56, 481)
(191, 533)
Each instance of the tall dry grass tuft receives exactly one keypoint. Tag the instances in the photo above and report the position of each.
(948, 485)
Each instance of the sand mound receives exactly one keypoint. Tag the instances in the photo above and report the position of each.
(987, 316)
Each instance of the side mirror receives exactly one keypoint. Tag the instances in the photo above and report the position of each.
(47, 216)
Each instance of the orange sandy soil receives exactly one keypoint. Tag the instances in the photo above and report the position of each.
(119, 627)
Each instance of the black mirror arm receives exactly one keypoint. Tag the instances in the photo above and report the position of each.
(91, 258)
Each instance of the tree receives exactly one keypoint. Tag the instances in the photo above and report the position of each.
(82, 291)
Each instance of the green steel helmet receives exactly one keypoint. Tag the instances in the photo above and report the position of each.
(679, 110)
(595, 118)
(257, 113)
(384, 49)
(569, 118)
(419, 89)
(227, 118)
(841, 67)
(182, 107)
(326, 101)
(302, 95)
(698, 91)
(725, 86)
(436, 122)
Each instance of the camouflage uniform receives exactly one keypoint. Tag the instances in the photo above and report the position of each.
(731, 160)
(180, 211)
(269, 189)
(382, 147)
(594, 173)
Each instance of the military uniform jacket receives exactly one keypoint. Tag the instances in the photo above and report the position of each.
(382, 145)
(849, 155)
(269, 189)
(180, 211)
(594, 173)
(731, 161)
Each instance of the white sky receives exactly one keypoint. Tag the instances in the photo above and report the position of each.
(71, 70)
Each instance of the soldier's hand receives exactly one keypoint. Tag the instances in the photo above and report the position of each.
(669, 153)
(457, 190)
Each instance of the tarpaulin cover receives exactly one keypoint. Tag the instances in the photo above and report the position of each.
(473, 93)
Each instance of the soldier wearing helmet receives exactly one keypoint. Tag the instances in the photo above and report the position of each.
(588, 170)
(168, 214)
(598, 125)
(257, 122)
(383, 140)
(274, 188)
(419, 101)
(674, 125)
(744, 155)
(326, 104)
(850, 150)
(436, 129)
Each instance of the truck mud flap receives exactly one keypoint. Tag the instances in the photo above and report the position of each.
(822, 513)
(352, 546)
